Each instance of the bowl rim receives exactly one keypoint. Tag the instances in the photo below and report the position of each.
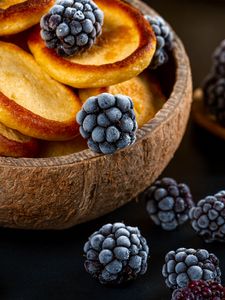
(181, 78)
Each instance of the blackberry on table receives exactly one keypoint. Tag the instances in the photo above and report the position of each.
(164, 40)
(200, 290)
(108, 122)
(185, 265)
(71, 26)
(168, 203)
(214, 97)
(208, 217)
(116, 253)
(219, 60)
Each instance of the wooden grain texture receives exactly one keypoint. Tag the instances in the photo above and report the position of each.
(57, 193)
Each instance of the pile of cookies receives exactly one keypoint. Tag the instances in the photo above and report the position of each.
(54, 55)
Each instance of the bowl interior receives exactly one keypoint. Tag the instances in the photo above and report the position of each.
(167, 76)
(169, 80)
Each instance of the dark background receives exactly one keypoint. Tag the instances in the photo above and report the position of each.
(49, 265)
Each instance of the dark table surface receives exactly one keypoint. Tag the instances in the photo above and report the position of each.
(49, 265)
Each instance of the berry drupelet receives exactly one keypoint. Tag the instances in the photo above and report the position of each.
(219, 60)
(164, 40)
(185, 265)
(108, 122)
(200, 290)
(71, 26)
(208, 217)
(116, 254)
(214, 97)
(168, 203)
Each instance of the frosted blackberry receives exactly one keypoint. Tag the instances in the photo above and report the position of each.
(116, 253)
(208, 217)
(185, 265)
(108, 122)
(214, 97)
(71, 26)
(219, 60)
(200, 290)
(168, 203)
(164, 40)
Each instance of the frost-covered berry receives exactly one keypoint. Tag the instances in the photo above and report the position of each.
(208, 217)
(168, 203)
(219, 60)
(164, 40)
(214, 97)
(108, 122)
(200, 290)
(185, 265)
(71, 26)
(116, 253)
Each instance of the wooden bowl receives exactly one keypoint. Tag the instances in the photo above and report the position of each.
(57, 193)
(203, 118)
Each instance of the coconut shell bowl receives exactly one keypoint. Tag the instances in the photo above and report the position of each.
(60, 192)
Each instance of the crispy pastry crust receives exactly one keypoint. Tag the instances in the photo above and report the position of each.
(27, 122)
(88, 76)
(21, 16)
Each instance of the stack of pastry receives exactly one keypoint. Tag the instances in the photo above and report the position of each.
(41, 91)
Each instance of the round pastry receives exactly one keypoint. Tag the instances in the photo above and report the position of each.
(32, 102)
(18, 15)
(15, 144)
(144, 90)
(124, 50)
